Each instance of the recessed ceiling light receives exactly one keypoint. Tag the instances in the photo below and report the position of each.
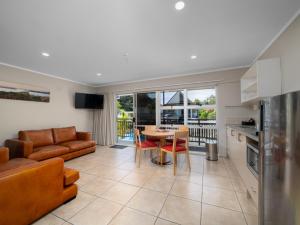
(179, 5)
(45, 54)
(99, 74)
(193, 57)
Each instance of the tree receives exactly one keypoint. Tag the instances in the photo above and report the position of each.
(197, 101)
(126, 103)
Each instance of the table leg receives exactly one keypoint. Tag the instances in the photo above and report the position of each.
(165, 160)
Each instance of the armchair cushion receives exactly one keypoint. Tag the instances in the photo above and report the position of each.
(37, 137)
(64, 134)
(4, 155)
(77, 145)
(48, 152)
(148, 144)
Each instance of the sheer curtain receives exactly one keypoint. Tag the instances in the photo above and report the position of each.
(103, 126)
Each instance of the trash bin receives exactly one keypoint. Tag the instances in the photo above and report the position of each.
(212, 150)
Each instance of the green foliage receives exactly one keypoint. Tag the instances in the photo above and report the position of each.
(207, 114)
(126, 103)
(211, 100)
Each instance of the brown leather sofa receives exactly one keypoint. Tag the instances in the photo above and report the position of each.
(30, 189)
(39, 145)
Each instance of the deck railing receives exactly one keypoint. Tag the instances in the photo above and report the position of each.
(198, 133)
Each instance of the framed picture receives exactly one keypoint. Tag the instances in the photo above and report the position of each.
(23, 92)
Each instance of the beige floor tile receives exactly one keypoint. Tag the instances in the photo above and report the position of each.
(49, 220)
(182, 211)
(85, 178)
(135, 178)
(196, 178)
(98, 186)
(238, 185)
(186, 189)
(215, 169)
(69, 209)
(251, 219)
(99, 170)
(132, 217)
(120, 193)
(161, 184)
(164, 222)
(212, 215)
(247, 204)
(220, 197)
(99, 212)
(148, 201)
(217, 182)
(116, 174)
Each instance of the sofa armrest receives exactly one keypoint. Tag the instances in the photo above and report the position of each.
(84, 136)
(27, 193)
(4, 154)
(18, 148)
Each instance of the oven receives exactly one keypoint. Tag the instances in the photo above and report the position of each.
(252, 159)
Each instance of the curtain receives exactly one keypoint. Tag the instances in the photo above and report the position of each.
(103, 125)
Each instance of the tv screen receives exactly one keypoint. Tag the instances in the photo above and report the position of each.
(88, 101)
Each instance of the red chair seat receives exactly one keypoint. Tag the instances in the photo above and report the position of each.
(179, 148)
(178, 142)
(148, 144)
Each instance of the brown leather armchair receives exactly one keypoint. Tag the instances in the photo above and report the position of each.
(30, 189)
(66, 143)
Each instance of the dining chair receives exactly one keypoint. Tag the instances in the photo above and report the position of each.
(142, 146)
(179, 141)
(175, 148)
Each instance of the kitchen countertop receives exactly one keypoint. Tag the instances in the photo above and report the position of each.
(248, 131)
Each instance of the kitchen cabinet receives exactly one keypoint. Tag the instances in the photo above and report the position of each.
(263, 79)
(237, 152)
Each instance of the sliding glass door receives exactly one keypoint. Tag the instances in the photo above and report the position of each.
(145, 109)
(195, 108)
(125, 118)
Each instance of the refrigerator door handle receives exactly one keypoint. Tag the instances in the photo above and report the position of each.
(260, 178)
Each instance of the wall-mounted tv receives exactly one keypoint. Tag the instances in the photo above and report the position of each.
(88, 101)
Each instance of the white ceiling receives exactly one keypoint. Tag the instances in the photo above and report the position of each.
(85, 37)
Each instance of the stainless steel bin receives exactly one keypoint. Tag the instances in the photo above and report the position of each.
(212, 150)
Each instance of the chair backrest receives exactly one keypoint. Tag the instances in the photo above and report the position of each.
(180, 134)
(183, 128)
(150, 127)
(137, 136)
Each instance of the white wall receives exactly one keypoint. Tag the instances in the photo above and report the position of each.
(227, 84)
(18, 115)
(287, 47)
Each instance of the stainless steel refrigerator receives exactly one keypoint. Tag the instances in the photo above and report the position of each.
(279, 160)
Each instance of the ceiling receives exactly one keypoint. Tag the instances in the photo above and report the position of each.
(137, 39)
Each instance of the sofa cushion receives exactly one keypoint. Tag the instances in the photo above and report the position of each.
(37, 137)
(70, 176)
(15, 163)
(48, 152)
(64, 134)
(78, 145)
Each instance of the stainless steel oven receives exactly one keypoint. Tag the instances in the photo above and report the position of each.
(252, 159)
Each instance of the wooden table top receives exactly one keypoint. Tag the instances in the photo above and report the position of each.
(158, 133)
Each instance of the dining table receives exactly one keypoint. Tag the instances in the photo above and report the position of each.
(160, 134)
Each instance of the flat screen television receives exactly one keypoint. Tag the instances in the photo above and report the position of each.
(88, 101)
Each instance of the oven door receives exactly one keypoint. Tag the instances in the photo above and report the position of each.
(252, 159)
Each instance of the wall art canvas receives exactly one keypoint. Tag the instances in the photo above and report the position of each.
(24, 92)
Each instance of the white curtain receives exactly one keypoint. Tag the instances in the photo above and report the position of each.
(104, 122)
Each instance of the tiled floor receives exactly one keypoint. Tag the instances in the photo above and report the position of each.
(112, 190)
